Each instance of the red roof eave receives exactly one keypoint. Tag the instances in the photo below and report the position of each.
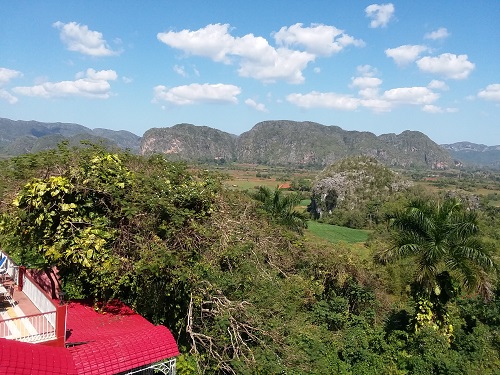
(122, 353)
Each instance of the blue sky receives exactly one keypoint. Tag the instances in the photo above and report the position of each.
(431, 66)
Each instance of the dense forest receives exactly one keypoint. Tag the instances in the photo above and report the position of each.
(240, 280)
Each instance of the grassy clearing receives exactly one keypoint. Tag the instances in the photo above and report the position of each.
(334, 233)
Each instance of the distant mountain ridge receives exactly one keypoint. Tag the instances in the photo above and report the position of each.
(475, 154)
(18, 136)
(288, 143)
(292, 143)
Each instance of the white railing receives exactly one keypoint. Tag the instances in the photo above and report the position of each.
(39, 299)
(167, 367)
(31, 328)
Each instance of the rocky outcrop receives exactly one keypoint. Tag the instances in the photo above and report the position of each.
(292, 143)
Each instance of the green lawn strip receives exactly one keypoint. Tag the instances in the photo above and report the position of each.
(334, 233)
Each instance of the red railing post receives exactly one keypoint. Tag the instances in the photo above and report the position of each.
(20, 278)
(61, 313)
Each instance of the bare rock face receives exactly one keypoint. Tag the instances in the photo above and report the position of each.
(189, 142)
(351, 183)
(292, 143)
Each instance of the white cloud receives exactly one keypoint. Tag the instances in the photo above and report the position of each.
(380, 14)
(366, 70)
(280, 64)
(7, 74)
(440, 33)
(377, 104)
(369, 93)
(127, 79)
(321, 40)
(5, 95)
(437, 85)
(101, 75)
(329, 100)
(180, 70)
(430, 108)
(410, 95)
(197, 93)
(258, 106)
(491, 92)
(255, 57)
(405, 54)
(212, 41)
(365, 82)
(399, 96)
(448, 65)
(91, 84)
(369, 97)
(79, 38)
(317, 70)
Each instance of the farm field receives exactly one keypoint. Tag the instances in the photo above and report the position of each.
(249, 176)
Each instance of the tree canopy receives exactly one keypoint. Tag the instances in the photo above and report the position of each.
(441, 236)
(241, 288)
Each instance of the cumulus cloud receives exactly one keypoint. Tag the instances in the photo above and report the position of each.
(365, 82)
(369, 97)
(329, 100)
(197, 93)
(91, 84)
(7, 96)
(366, 70)
(8, 74)
(430, 108)
(254, 55)
(405, 54)
(437, 85)
(318, 39)
(79, 38)
(448, 65)
(380, 14)
(257, 106)
(491, 92)
(410, 95)
(440, 33)
(280, 64)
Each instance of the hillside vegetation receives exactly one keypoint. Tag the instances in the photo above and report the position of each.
(242, 290)
(353, 192)
(284, 143)
(292, 143)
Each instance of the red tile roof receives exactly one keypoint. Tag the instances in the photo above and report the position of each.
(84, 323)
(108, 342)
(125, 352)
(20, 358)
(116, 339)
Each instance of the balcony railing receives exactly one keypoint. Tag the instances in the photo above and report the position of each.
(49, 325)
(31, 328)
(38, 297)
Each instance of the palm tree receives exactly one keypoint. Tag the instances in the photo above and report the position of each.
(440, 237)
(281, 207)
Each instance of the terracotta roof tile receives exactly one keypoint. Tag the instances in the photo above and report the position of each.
(125, 352)
(104, 343)
(19, 358)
